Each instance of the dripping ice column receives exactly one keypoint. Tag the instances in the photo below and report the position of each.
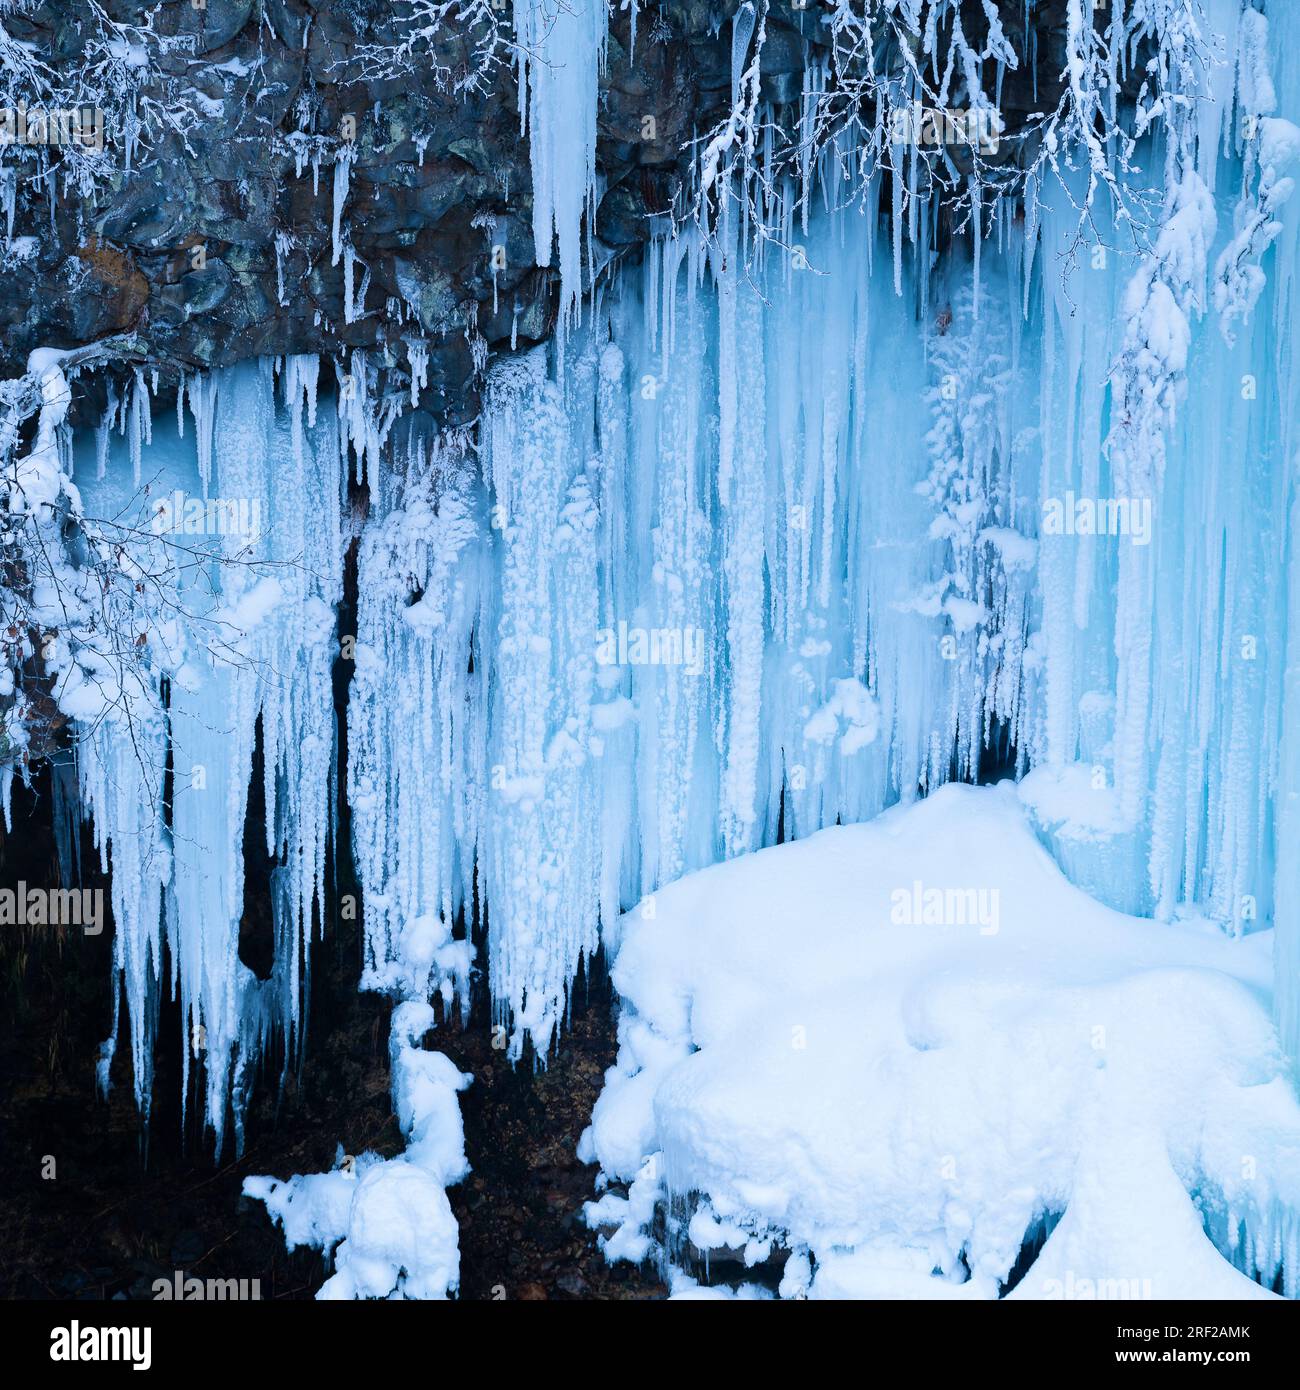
(540, 847)
(561, 51)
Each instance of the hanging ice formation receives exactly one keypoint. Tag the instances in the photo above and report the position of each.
(417, 720)
(771, 545)
(561, 51)
(797, 525)
(797, 624)
(234, 602)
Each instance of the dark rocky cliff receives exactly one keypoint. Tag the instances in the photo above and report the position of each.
(217, 244)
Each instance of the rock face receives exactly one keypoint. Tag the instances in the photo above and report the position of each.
(220, 243)
(208, 230)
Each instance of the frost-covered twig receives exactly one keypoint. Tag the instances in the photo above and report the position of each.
(88, 605)
(899, 87)
(458, 44)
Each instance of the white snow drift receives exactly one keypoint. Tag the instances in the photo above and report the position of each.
(807, 1066)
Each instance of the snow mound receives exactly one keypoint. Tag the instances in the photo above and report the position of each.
(394, 1229)
(892, 1053)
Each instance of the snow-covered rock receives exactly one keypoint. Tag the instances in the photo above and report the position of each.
(899, 1048)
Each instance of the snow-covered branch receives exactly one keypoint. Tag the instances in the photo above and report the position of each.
(458, 44)
(903, 88)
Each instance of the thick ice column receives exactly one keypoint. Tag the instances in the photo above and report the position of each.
(561, 52)
(741, 495)
(121, 787)
(417, 722)
(541, 851)
(216, 700)
(1287, 881)
(244, 554)
(212, 747)
(1284, 28)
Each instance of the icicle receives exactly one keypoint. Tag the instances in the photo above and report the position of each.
(541, 857)
(342, 174)
(561, 52)
(284, 243)
(349, 270)
(750, 551)
(418, 355)
(416, 817)
(244, 633)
